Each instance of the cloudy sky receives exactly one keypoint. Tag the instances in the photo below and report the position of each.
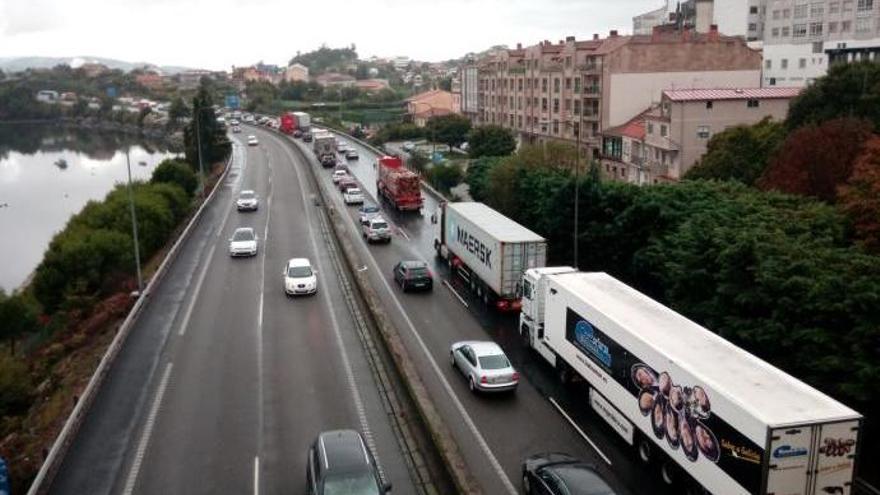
(217, 34)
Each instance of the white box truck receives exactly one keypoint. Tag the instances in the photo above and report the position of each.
(721, 419)
(488, 250)
(303, 121)
(324, 146)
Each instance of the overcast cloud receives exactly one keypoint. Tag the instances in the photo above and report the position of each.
(217, 34)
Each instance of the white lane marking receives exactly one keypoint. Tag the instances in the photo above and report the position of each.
(460, 299)
(243, 160)
(196, 292)
(148, 431)
(403, 233)
(481, 441)
(579, 430)
(325, 298)
(257, 475)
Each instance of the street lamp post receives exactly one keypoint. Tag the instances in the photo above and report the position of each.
(199, 151)
(134, 228)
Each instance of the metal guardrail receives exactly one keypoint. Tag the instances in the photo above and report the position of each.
(52, 463)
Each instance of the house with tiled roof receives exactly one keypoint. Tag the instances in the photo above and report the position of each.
(433, 103)
(664, 141)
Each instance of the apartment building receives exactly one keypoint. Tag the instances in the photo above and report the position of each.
(470, 91)
(667, 139)
(555, 90)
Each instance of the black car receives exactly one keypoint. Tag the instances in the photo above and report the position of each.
(413, 275)
(340, 463)
(307, 137)
(297, 133)
(561, 474)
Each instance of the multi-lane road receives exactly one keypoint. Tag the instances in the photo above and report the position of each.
(225, 381)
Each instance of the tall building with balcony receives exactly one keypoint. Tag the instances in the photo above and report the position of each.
(572, 90)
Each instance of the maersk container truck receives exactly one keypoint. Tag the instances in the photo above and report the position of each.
(487, 250)
(710, 413)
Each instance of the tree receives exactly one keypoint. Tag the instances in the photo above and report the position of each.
(859, 198)
(177, 111)
(417, 160)
(816, 160)
(449, 129)
(17, 317)
(178, 173)
(490, 140)
(847, 90)
(215, 146)
(445, 84)
(445, 176)
(477, 178)
(740, 152)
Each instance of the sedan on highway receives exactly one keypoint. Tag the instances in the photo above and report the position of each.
(484, 365)
(351, 154)
(413, 275)
(252, 140)
(353, 196)
(341, 464)
(247, 201)
(376, 230)
(300, 277)
(561, 474)
(338, 175)
(366, 212)
(243, 242)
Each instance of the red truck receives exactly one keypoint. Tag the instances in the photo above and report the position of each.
(398, 185)
(288, 123)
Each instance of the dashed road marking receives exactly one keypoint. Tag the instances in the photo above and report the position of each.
(460, 299)
(257, 475)
(579, 430)
(148, 431)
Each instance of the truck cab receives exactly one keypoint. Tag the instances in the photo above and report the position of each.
(531, 317)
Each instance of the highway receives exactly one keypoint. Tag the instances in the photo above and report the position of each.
(494, 433)
(225, 381)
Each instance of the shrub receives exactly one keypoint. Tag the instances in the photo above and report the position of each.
(15, 386)
(176, 172)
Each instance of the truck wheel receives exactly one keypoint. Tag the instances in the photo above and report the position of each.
(668, 472)
(644, 449)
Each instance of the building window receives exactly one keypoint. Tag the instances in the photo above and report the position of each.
(511, 102)
(577, 85)
(519, 84)
(777, 15)
(768, 64)
(802, 63)
(817, 9)
(832, 28)
(555, 127)
(864, 24)
(865, 5)
(650, 128)
(544, 85)
(703, 131)
(799, 30)
(783, 64)
(543, 104)
(519, 104)
(775, 32)
(568, 61)
(800, 11)
(845, 26)
(752, 103)
(753, 26)
(818, 45)
(815, 29)
(556, 85)
(555, 105)
(519, 121)
(567, 105)
(663, 130)
(568, 82)
(753, 9)
(786, 13)
(834, 7)
(847, 5)
(772, 81)
(709, 104)
(577, 107)
(785, 31)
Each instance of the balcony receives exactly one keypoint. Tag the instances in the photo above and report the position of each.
(593, 91)
(516, 70)
(589, 68)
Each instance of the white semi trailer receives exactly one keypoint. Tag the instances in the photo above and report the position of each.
(710, 413)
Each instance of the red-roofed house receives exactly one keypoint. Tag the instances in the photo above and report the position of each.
(434, 103)
(665, 141)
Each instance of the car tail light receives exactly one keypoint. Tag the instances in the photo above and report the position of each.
(484, 379)
(502, 304)
(515, 376)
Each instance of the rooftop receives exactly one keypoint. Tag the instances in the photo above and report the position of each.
(730, 94)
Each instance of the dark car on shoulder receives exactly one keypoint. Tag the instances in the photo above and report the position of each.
(340, 463)
(413, 275)
(561, 474)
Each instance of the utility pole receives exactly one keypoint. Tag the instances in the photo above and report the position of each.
(199, 145)
(577, 186)
(134, 228)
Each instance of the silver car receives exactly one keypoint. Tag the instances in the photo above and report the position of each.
(243, 242)
(247, 201)
(484, 365)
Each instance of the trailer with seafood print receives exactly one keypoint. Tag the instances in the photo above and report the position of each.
(714, 417)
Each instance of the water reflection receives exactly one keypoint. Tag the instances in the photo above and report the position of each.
(47, 174)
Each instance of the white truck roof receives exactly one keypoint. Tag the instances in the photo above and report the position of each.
(493, 223)
(765, 391)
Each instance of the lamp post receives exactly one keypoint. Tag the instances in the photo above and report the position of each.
(134, 227)
(199, 150)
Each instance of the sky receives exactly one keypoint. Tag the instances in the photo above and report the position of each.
(218, 34)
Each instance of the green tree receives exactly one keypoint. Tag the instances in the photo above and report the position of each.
(177, 111)
(477, 178)
(740, 153)
(417, 160)
(490, 140)
(847, 90)
(449, 129)
(445, 84)
(215, 146)
(17, 317)
(178, 173)
(16, 386)
(445, 176)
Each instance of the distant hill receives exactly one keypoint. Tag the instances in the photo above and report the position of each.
(326, 59)
(17, 64)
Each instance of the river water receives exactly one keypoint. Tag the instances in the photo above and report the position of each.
(39, 192)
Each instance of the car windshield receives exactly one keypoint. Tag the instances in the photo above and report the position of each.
(351, 484)
(299, 271)
(380, 225)
(243, 235)
(370, 209)
(494, 362)
(418, 271)
(247, 195)
(353, 190)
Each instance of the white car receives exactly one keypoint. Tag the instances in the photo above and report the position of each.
(243, 242)
(409, 146)
(338, 175)
(353, 196)
(247, 201)
(300, 277)
(376, 230)
(252, 140)
(484, 365)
